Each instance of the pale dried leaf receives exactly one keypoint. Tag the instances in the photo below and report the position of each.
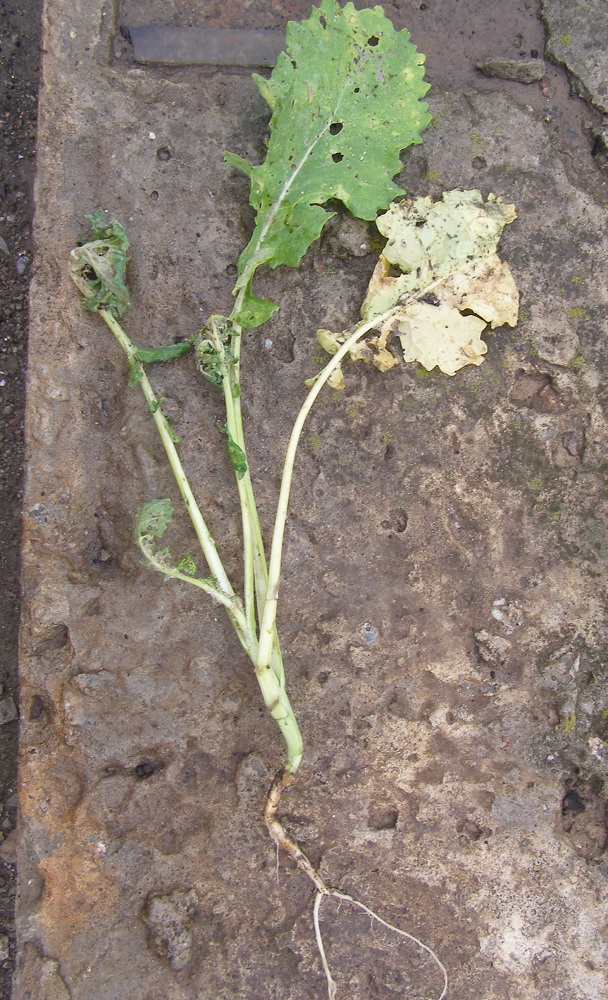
(440, 336)
(382, 359)
(488, 289)
(446, 251)
(431, 242)
(336, 379)
(329, 341)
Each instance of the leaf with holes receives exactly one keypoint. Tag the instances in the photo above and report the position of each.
(345, 100)
(452, 282)
(438, 283)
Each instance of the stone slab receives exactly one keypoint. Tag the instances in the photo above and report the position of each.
(578, 39)
(443, 602)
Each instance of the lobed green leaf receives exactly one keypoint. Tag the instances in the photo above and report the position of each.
(154, 518)
(345, 100)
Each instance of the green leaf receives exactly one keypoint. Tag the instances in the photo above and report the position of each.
(154, 517)
(148, 355)
(187, 565)
(172, 434)
(236, 454)
(254, 311)
(238, 162)
(136, 372)
(99, 267)
(98, 224)
(345, 99)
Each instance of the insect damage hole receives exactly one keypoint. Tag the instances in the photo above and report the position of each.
(336, 127)
(337, 157)
(373, 41)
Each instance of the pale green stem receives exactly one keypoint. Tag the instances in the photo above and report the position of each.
(232, 603)
(202, 531)
(268, 621)
(229, 381)
(271, 678)
(248, 504)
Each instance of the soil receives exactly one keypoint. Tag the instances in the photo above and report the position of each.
(442, 604)
(19, 71)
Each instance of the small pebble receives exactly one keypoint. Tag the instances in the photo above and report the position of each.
(8, 710)
(370, 633)
(529, 71)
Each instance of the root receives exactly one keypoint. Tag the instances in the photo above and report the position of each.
(281, 838)
(281, 780)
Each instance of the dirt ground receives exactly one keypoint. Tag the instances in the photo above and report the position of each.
(19, 62)
(443, 608)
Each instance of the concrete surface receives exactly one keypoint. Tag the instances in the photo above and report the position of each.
(443, 615)
(577, 38)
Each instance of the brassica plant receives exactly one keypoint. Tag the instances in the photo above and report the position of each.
(346, 100)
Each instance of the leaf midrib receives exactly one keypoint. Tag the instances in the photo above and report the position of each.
(282, 196)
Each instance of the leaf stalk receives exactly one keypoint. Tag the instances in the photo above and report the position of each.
(163, 427)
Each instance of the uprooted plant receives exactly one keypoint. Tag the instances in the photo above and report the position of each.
(345, 101)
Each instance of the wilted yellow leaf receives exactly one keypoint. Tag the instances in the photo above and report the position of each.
(439, 263)
(329, 341)
(336, 379)
(487, 288)
(441, 336)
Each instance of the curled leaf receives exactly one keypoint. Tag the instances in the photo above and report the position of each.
(187, 566)
(373, 351)
(154, 517)
(330, 342)
(336, 379)
(381, 357)
(99, 267)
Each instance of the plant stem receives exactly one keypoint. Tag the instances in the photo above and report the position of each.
(231, 390)
(268, 621)
(232, 604)
(248, 504)
(203, 534)
(271, 675)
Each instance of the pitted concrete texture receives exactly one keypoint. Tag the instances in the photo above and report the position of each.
(442, 610)
(578, 39)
